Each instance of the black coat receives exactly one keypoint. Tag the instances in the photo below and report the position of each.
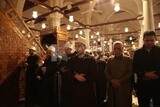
(49, 91)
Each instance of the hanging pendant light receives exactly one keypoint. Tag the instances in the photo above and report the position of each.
(116, 7)
(35, 14)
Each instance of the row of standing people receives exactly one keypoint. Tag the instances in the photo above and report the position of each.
(81, 77)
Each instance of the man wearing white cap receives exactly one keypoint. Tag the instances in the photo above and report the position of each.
(48, 75)
(66, 81)
(32, 69)
(84, 71)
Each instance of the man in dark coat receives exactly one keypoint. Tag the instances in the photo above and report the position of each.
(32, 69)
(66, 80)
(146, 64)
(84, 70)
(101, 83)
(48, 76)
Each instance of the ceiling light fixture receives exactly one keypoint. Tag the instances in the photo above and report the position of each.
(116, 7)
(76, 36)
(97, 33)
(71, 19)
(159, 25)
(126, 29)
(35, 14)
(68, 27)
(43, 25)
(80, 32)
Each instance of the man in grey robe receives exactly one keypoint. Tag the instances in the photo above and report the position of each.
(119, 74)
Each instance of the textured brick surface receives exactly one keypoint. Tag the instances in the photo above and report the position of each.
(12, 51)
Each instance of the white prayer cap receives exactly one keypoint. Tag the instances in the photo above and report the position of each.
(32, 48)
(52, 48)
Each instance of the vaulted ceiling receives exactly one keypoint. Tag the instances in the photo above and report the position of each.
(104, 19)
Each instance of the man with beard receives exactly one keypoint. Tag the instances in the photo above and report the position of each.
(119, 74)
(32, 69)
(84, 71)
(146, 64)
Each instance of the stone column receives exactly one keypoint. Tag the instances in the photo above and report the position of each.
(110, 45)
(141, 34)
(87, 32)
(102, 43)
(54, 19)
(148, 15)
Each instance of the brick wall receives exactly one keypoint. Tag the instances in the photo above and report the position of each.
(12, 51)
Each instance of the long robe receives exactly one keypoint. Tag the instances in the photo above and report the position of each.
(49, 89)
(84, 92)
(31, 87)
(120, 68)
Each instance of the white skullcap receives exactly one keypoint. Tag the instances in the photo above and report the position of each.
(52, 48)
(81, 40)
(32, 48)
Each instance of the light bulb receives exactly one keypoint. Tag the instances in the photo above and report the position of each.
(76, 36)
(116, 7)
(159, 25)
(80, 32)
(71, 19)
(35, 14)
(97, 33)
(68, 27)
(126, 29)
(43, 25)
(91, 36)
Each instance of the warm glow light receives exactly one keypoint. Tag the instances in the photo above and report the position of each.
(126, 29)
(76, 36)
(35, 14)
(94, 41)
(28, 35)
(159, 25)
(99, 39)
(130, 38)
(68, 27)
(156, 42)
(116, 7)
(80, 32)
(91, 36)
(71, 19)
(23, 31)
(97, 33)
(43, 25)
(133, 47)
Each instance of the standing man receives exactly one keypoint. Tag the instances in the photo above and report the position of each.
(32, 69)
(84, 71)
(119, 74)
(146, 64)
(48, 77)
(66, 80)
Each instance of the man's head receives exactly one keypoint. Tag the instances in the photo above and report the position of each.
(51, 51)
(149, 38)
(118, 48)
(80, 45)
(68, 48)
